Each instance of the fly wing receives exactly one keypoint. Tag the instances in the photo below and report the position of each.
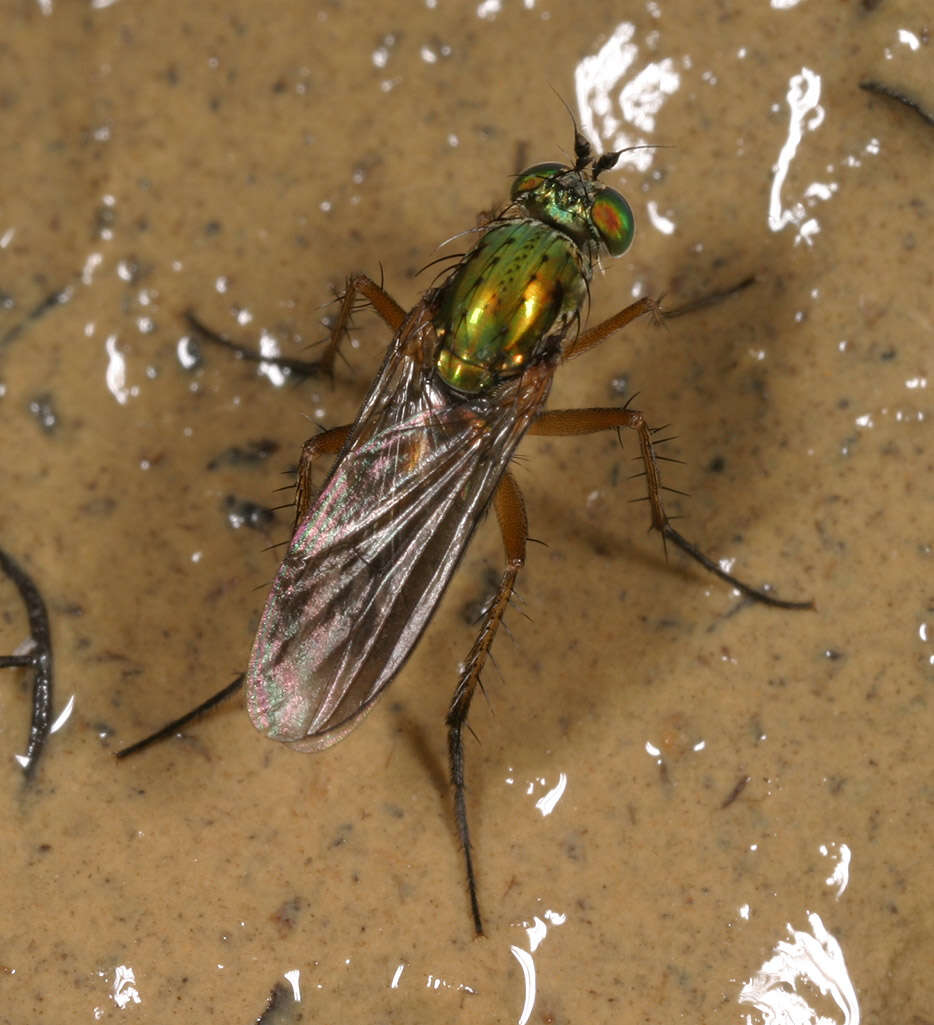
(367, 566)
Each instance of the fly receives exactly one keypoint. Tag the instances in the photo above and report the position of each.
(467, 375)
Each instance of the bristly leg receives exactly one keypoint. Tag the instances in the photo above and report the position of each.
(356, 284)
(510, 511)
(326, 443)
(588, 421)
(514, 528)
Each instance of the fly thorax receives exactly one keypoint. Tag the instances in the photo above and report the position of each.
(507, 302)
(564, 210)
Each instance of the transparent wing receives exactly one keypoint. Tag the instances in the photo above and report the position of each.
(367, 566)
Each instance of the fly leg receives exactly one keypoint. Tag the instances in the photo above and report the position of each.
(332, 441)
(599, 332)
(384, 304)
(325, 443)
(596, 334)
(171, 728)
(588, 421)
(510, 511)
(388, 309)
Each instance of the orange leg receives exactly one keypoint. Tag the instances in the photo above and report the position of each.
(327, 443)
(384, 304)
(596, 334)
(588, 421)
(381, 301)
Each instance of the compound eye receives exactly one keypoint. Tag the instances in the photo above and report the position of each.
(533, 176)
(612, 217)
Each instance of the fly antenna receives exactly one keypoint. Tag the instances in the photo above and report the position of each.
(583, 152)
(607, 161)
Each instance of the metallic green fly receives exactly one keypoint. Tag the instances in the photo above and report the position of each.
(466, 376)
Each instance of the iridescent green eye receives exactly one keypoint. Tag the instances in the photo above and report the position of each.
(613, 219)
(533, 176)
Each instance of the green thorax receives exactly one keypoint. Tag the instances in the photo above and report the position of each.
(514, 296)
(517, 290)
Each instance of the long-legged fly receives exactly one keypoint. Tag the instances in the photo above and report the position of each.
(466, 376)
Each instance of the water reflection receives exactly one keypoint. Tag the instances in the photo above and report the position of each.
(839, 878)
(782, 989)
(618, 104)
(806, 115)
(548, 801)
(536, 930)
(123, 991)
